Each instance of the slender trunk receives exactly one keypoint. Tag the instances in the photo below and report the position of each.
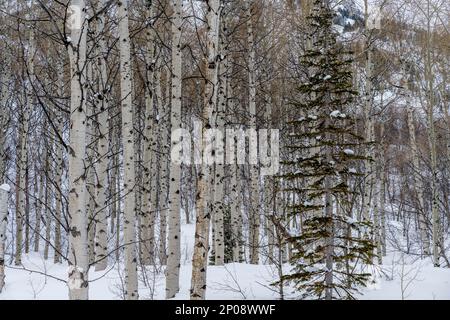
(47, 213)
(417, 185)
(101, 191)
(174, 255)
(38, 191)
(148, 205)
(78, 255)
(23, 162)
(4, 191)
(254, 219)
(164, 167)
(203, 214)
(59, 171)
(131, 282)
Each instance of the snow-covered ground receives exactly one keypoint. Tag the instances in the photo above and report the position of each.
(400, 275)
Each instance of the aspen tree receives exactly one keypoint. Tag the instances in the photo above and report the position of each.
(174, 203)
(78, 251)
(38, 190)
(148, 204)
(417, 185)
(101, 164)
(163, 106)
(254, 219)
(431, 131)
(23, 163)
(47, 213)
(91, 133)
(131, 281)
(235, 188)
(4, 191)
(203, 214)
(59, 169)
(219, 176)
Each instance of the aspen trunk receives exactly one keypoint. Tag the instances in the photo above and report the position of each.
(4, 191)
(148, 204)
(219, 176)
(254, 217)
(417, 186)
(23, 162)
(174, 255)
(101, 191)
(38, 207)
(163, 167)
(129, 231)
(59, 171)
(203, 214)
(78, 256)
(47, 213)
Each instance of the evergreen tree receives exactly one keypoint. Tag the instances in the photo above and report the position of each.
(329, 255)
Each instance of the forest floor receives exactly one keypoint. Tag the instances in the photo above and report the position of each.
(402, 276)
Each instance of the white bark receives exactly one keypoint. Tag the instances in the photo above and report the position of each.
(129, 227)
(219, 176)
(101, 165)
(174, 255)
(203, 216)
(59, 171)
(254, 219)
(23, 162)
(148, 204)
(4, 191)
(163, 164)
(78, 255)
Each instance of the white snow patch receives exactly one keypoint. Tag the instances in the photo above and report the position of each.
(349, 152)
(5, 187)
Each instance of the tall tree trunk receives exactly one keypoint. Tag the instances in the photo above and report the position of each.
(148, 204)
(203, 214)
(4, 191)
(417, 186)
(23, 162)
(254, 217)
(47, 213)
(59, 170)
(101, 168)
(129, 232)
(163, 164)
(78, 255)
(38, 191)
(174, 254)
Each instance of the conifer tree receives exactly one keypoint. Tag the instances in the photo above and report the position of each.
(328, 253)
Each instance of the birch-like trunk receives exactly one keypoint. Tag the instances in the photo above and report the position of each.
(235, 191)
(203, 214)
(78, 255)
(47, 213)
(431, 131)
(148, 214)
(129, 232)
(59, 170)
(101, 165)
(254, 217)
(417, 184)
(163, 164)
(23, 162)
(4, 191)
(38, 191)
(174, 254)
(219, 174)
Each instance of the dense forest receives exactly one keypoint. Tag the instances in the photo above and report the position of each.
(239, 149)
